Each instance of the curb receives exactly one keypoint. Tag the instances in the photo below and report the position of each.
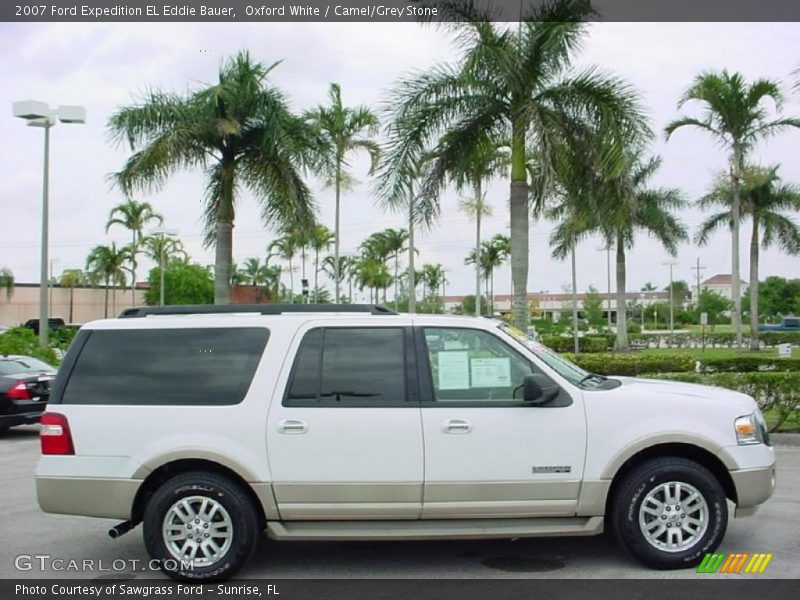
(785, 439)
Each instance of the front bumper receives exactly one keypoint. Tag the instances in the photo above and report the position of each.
(753, 475)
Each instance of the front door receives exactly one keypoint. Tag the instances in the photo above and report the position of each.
(345, 441)
(487, 453)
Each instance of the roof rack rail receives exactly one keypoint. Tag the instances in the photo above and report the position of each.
(263, 309)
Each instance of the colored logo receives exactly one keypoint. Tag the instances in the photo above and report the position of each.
(735, 562)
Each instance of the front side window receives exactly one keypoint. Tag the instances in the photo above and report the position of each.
(471, 365)
(349, 366)
(210, 366)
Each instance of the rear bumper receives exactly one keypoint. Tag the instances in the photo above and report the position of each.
(90, 497)
(28, 418)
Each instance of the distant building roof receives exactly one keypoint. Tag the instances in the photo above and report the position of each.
(722, 279)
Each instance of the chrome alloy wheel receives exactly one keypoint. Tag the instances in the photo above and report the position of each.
(199, 529)
(673, 516)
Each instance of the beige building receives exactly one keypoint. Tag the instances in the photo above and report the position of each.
(723, 285)
(88, 303)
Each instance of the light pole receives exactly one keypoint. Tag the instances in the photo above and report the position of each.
(671, 264)
(39, 114)
(162, 232)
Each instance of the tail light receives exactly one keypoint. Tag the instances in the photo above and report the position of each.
(20, 391)
(55, 435)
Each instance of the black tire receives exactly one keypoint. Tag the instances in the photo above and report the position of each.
(230, 496)
(632, 491)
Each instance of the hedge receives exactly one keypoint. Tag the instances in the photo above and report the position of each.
(748, 364)
(776, 393)
(633, 364)
(588, 343)
(773, 338)
(21, 340)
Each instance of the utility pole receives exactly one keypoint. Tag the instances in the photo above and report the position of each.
(698, 270)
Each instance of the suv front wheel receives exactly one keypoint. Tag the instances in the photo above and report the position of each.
(669, 512)
(200, 526)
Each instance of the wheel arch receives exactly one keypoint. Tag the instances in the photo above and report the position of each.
(689, 451)
(170, 469)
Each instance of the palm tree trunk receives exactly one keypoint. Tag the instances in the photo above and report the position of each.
(412, 287)
(223, 255)
(518, 201)
(479, 207)
(622, 325)
(736, 317)
(133, 270)
(336, 273)
(71, 303)
(396, 276)
(491, 302)
(316, 275)
(291, 282)
(754, 343)
(574, 303)
(105, 303)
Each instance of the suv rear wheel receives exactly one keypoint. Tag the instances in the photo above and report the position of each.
(203, 519)
(669, 512)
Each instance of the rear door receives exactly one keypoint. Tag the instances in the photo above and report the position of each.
(345, 438)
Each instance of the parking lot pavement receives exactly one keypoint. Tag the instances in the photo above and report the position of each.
(25, 530)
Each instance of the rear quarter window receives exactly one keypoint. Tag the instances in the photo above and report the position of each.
(165, 366)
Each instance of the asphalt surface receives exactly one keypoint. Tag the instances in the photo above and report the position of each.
(25, 530)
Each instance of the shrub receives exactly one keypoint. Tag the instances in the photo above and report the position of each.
(775, 393)
(749, 364)
(589, 343)
(773, 338)
(21, 340)
(62, 337)
(633, 364)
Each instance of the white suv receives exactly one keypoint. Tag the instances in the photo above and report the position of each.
(211, 424)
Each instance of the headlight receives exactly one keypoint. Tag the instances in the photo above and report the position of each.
(751, 429)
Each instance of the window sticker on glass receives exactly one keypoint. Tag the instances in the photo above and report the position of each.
(453, 370)
(490, 372)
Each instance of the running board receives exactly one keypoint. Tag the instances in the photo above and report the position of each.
(464, 529)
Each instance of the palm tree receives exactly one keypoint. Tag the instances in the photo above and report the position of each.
(162, 247)
(133, 216)
(394, 242)
(492, 254)
(372, 273)
(253, 271)
(7, 281)
(71, 278)
(735, 116)
(765, 200)
(433, 276)
(320, 240)
(343, 130)
(514, 84)
(241, 133)
(285, 247)
(108, 264)
(477, 208)
(626, 205)
(649, 287)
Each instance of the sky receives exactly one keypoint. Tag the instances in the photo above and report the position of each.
(105, 66)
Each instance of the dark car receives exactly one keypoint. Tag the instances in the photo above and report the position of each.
(52, 323)
(24, 389)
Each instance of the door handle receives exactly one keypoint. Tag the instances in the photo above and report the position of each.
(292, 426)
(456, 426)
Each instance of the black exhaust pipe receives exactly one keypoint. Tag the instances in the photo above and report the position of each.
(121, 529)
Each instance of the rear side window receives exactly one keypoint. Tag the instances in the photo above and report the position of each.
(166, 366)
(349, 366)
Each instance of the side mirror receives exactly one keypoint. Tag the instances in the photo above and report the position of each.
(538, 390)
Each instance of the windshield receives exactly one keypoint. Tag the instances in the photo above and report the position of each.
(569, 371)
(23, 364)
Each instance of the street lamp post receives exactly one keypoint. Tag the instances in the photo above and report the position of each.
(162, 232)
(39, 114)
